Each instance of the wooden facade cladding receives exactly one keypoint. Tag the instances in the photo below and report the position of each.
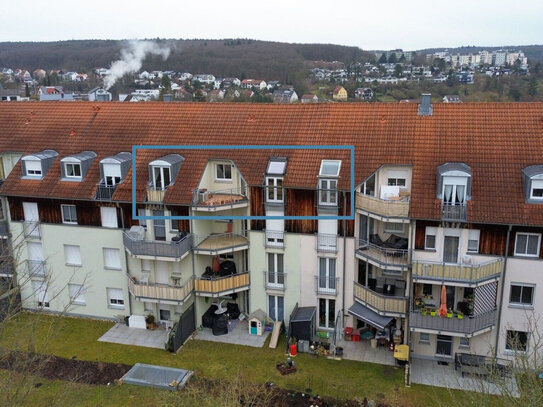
(345, 210)
(256, 208)
(301, 202)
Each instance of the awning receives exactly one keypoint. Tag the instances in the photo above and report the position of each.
(367, 315)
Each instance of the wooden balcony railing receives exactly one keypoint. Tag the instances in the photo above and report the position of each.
(155, 195)
(220, 243)
(223, 285)
(142, 290)
(382, 304)
(471, 273)
(387, 208)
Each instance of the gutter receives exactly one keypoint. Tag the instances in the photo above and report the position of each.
(498, 326)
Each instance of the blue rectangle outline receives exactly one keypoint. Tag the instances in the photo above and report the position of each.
(241, 147)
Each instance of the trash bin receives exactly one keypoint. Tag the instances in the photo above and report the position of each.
(126, 320)
(293, 349)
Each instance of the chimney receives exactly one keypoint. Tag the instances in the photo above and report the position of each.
(426, 108)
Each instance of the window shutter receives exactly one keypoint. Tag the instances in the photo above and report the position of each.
(109, 217)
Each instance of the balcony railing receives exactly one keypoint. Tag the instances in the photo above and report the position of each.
(222, 285)
(274, 239)
(394, 208)
(32, 229)
(383, 257)
(4, 227)
(155, 248)
(6, 268)
(104, 192)
(326, 243)
(467, 325)
(160, 291)
(382, 304)
(220, 243)
(470, 273)
(155, 194)
(204, 200)
(327, 285)
(36, 268)
(274, 280)
(454, 212)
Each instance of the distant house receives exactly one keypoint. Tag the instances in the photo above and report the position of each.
(253, 83)
(363, 93)
(285, 96)
(185, 76)
(10, 95)
(54, 93)
(216, 95)
(182, 94)
(99, 94)
(229, 82)
(70, 76)
(465, 78)
(339, 93)
(309, 98)
(451, 99)
(204, 78)
(273, 85)
(217, 83)
(39, 73)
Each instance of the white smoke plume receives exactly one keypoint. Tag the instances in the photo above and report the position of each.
(132, 58)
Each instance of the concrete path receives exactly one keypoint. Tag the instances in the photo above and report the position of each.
(239, 335)
(363, 352)
(122, 334)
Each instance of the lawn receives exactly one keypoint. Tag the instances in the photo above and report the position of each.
(77, 338)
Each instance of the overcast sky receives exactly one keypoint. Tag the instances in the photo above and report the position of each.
(407, 24)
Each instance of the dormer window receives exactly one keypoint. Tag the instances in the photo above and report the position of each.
(328, 187)
(454, 190)
(75, 167)
(330, 168)
(161, 177)
(533, 183)
(164, 170)
(274, 180)
(35, 166)
(223, 172)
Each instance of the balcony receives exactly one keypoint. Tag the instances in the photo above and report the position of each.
(6, 267)
(274, 280)
(154, 249)
(104, 192)
(215, 287)
(214, 201)
(326, 285)
(36, 268)
(4, 228)
(160, 292)
(394, 207)
(454, 212)
(274, 239)
(220, 243)
(466, 274)
(326, 243)
(382, 304)
(31, 229)
(154, 194)
(382, 255)
(471, 326)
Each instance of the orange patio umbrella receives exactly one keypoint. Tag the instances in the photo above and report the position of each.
(443, 306)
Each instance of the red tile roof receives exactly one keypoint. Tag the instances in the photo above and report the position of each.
(497, 140)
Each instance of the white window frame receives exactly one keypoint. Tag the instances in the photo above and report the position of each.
(536, 184)
(278, 266)
(73, 165)
(328, 195)
(69, 221)
(474, 235)
(464, 342)
(430, 231)
(521, 304)
(162, 180)
(392, 181)
(224, 178)
(72, 255)
(327, 313)
(77, 294)
(34, 173)
(326, 275)
(527, 234)
(113, 299)
(273, 185)
(454, 182)
(108, 257)
(424, 340)
(112, 173)
(275, 316)
(41, 293)
(508, 349)
(325, 162)
(106, 219)
(399, 227)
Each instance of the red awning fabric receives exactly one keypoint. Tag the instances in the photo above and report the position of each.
(443, 306)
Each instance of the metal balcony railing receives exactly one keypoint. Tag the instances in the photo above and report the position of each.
(6, 268)
(4, 228)
(471, 273)
(274, 280)
(327, 285)
(383, 256)
(215, 287)
(467, 325)
(274, 239)
(156, 248)
(382, 304)
(142, 290)
(32, 229)
(221, 242)
(36, 268)
(326, 243)
(205, 200)
(454, 212)
(104, 192)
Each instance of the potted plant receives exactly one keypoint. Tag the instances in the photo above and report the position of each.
(423, 311)
(459, 315)
(150, 321)
(449, 313)
(433, 312)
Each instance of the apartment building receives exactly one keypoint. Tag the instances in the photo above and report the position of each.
(447, 215)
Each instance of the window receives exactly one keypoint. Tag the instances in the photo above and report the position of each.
(393, 227)
(537, 189)
(328, 192)
(454, 190)
(112, 259)
(464, 342)
(112, 173)
(427, 289)
(473, 240)
(109, 216)
(77, 294)
(33, 168)
(174, 226)
(424, 337)
(164, 314)
(430, 239)
(444, 345)
(527, 244)
(450, 249)
(327, 275)
(276, 307)
(398, 182)
(516, 341)
(223, 172)
(72, 254)
(161, 178)
(276, 276)
(327, 309)
(141, 213)
(40, 291)
(69, 214)
(276, 166)
(115, 297)
(159, 226)
(111, 180)
(72, 170)
(521, 294)
(274, 190)
(330, 168)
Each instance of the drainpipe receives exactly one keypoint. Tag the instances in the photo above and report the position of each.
(501, 291)
(344, 251)
(409, 284)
